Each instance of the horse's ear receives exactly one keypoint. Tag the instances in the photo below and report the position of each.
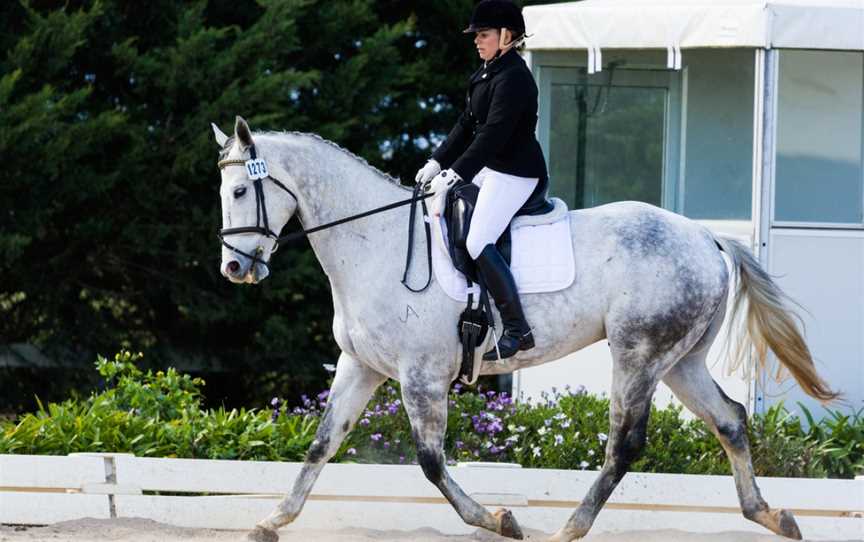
(221, 138)
(242, 132)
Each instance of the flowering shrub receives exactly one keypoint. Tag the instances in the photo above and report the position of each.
(160, 414)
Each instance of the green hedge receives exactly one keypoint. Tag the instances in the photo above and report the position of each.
(160, 414)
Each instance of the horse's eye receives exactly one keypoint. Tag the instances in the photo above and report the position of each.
(239, 192)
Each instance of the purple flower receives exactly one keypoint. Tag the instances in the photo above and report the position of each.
(364, 421)
(376, 437)
(274, 402)
(401, 458)
(457, 387)
(459, 444)
(323, 395)
(386, 444)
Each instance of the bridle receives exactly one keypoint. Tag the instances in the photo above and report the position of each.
(262, 224)
(257, 170)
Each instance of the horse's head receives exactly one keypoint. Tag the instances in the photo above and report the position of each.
(255, 206)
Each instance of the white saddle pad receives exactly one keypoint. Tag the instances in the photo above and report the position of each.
(541, 257)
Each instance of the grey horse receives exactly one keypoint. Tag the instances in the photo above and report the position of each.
(650, 281)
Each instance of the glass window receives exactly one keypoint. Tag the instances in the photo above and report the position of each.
(718, 175)
(820, 175)
(607, 135)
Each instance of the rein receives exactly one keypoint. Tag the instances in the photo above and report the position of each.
(262, 225)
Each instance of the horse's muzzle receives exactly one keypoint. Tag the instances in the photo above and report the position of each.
(242, 270)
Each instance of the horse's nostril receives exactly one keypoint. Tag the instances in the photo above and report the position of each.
(233, 266)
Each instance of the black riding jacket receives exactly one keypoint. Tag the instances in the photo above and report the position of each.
(496, 130)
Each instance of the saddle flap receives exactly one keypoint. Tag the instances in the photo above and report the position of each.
(460, 203)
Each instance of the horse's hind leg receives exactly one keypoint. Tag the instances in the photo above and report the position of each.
(692, 384)
(630, 405)
(352, 388)
(425, 399)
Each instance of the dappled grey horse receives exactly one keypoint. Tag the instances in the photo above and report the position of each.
(650, 281)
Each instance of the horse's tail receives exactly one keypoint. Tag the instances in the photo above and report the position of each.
(769, 324)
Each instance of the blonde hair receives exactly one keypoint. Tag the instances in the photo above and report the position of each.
(517, 40)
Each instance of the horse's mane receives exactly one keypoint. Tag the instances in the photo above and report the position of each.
(318, 138)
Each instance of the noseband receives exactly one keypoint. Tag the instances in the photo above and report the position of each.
(257, 170)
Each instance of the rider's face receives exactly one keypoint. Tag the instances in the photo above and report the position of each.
(487, 43)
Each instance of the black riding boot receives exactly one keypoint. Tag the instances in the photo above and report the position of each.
(496, 273)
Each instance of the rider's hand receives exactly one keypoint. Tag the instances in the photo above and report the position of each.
(428, 172)
(440, 185)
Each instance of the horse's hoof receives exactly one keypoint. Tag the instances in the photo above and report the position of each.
(260, 534)
(507, 525)
(786, 524)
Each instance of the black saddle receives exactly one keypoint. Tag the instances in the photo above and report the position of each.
(475, 321)
(458, 210)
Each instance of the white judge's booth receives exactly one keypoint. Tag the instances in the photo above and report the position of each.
(745, 115)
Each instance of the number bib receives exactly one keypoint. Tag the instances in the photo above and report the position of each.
(257, 169)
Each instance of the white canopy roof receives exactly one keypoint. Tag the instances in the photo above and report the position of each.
(674, 24)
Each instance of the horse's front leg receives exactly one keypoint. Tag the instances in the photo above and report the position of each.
(352, 387)
(425, 397)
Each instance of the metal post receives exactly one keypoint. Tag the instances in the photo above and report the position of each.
(764, 161)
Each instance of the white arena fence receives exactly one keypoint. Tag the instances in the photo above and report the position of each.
(40, 490)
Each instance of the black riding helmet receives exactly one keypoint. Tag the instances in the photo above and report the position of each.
(496, 14)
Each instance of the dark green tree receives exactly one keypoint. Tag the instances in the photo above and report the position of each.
(109, 203)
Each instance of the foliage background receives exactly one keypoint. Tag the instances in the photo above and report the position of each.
(109, 206)
(159, 414)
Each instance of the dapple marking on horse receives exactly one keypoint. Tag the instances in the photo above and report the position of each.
(653, 282)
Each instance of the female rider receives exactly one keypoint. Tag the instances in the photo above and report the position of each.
(493, 144)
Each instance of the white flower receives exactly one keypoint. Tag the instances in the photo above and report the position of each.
(584, 465)
(603, 437)
(542, 431)
(565, 424)
(558, 439)
(512, 438)
(590, 452)
(536, 451)
(520, 429)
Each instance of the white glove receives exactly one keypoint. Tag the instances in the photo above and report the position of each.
(428, 172)
(440, 185)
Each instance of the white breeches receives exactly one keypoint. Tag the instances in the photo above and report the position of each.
(501, 196)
